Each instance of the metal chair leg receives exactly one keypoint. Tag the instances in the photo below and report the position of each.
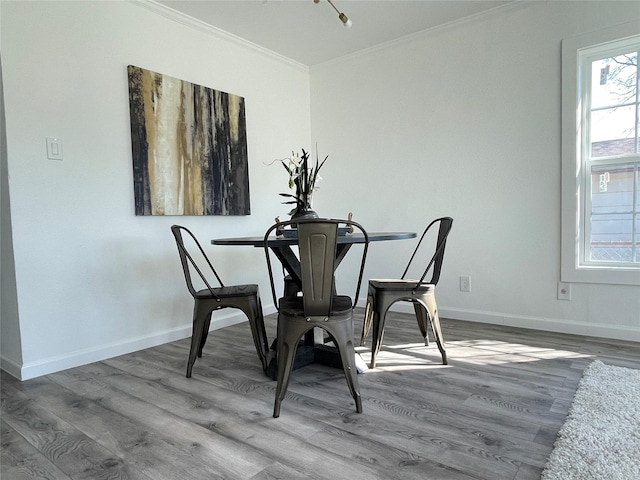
(198, 337)
(342, 333)
(432, 308)
(368, 316)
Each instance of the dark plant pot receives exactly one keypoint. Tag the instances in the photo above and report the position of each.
(304, 215)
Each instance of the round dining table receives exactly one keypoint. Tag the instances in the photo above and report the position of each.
(314, 348)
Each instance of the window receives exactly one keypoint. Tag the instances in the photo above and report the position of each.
(610, 152)
(601, 157)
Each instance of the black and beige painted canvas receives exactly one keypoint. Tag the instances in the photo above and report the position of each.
(189, 147)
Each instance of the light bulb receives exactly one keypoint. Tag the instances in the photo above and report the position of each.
(345, 20)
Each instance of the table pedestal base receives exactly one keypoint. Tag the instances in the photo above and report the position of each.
(305, 355)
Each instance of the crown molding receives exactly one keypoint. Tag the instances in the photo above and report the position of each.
(516, 4)
(201, 26)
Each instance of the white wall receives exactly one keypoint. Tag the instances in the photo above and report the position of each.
(465, 121)
(92, 279)
(10, 332)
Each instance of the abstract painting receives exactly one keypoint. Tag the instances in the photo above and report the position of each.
(189, 147)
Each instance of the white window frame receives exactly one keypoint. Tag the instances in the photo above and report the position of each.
(575, 177)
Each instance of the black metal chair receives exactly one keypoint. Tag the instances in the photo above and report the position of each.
(243, 297)
(383, 293)
(319, 305)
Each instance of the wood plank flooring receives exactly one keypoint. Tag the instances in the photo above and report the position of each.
(493, 413)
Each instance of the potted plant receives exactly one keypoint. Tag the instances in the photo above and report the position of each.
(302, 178)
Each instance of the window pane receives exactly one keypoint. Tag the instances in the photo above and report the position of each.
(605, 249)
(613, 81)
(612, 216)
(636, 250)
(613, 120)
(638, 194)
(612, 189)
(613, 131)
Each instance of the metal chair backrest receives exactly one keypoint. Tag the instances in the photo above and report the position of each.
(445, 224)
(317, 250)
(317, 247)
(188, 262)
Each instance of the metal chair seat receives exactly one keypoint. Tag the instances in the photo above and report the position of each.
(399, 285)
(294, 306)
(229, 291)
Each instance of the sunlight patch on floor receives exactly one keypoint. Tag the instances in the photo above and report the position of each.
(478, 352)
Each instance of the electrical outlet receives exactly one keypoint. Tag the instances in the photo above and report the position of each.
(465, 283)
(564, 291)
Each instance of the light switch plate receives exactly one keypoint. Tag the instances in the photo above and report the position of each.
(54, 148)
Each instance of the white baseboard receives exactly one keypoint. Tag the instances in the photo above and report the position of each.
(82, 357)
(598, 330)
(58, 363)
(574, 327)
(10, 367)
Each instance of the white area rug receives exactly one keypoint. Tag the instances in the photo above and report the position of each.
(601, 435)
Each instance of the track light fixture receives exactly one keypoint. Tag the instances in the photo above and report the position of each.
(343, 18)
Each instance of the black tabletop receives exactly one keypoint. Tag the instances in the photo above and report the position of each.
(276, 241)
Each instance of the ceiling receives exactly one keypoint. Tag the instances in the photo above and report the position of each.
(311, 33)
